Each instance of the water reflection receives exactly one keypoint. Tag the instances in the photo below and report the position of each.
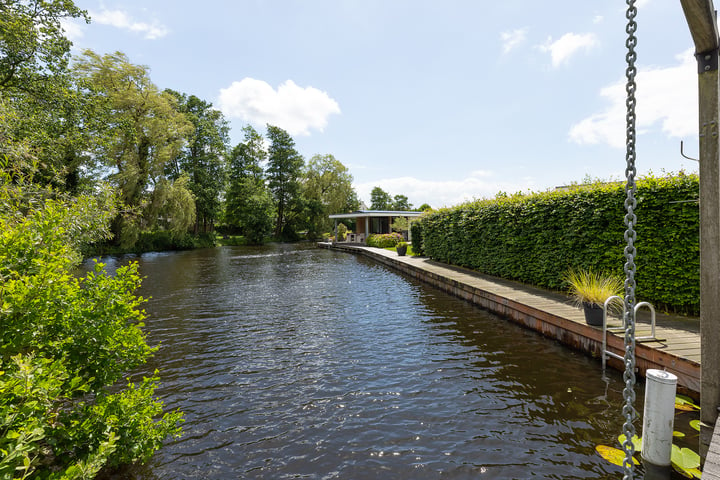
(297, 362)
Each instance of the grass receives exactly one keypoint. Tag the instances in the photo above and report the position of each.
(593, 287)
(409, 249)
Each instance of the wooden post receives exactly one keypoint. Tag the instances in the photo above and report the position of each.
(701, 18)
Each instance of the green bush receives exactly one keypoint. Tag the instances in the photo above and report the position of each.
(341, 231)
(66, 344)
(536, 238)
(416, 233)
(384, 240)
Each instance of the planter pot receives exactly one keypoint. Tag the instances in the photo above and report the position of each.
(401, 250)
(593, 314)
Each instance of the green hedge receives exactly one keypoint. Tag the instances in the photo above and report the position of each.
(536, 238)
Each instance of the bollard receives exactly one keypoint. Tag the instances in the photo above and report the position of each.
(658, 417)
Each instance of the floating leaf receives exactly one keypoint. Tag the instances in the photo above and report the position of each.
(613, 455)
(695, 424)
(636, 441)
(682, 471)
(685, 403)
(678, 434)
(684, 458)
(688, 472)
(696, 472)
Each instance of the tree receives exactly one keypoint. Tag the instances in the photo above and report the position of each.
(327, 189)
(380, 199)
(252, 211)
(283, 172)
(139, 131)
(401, 204)
(249, 206)
(203, 158)
(424, 207)
(36, 84)
(34, 49)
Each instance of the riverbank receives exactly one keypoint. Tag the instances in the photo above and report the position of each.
(676, 348)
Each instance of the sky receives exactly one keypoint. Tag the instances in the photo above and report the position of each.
(443, 102)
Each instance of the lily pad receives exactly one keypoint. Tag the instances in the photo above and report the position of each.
(613, 455)
(636, 441)
(685, 473)
(688, 472)
(677, 434)
(695, 424)
(684, 458)
(685, 403)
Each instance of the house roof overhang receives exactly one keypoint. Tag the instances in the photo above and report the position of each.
(376, 213)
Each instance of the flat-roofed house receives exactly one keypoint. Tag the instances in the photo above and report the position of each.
(371, 221)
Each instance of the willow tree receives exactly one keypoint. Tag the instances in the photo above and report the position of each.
(327, 189)
(139, 131)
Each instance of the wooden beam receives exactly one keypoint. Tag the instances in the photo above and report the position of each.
(700, 16)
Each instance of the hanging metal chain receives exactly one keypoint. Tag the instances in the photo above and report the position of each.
(630, 222)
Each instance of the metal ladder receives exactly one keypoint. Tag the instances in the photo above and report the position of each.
(648, 338)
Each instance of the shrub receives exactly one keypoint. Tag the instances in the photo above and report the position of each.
(537, 238)
(416, 233)
(384, 240)
(65, 345)
(341, 231)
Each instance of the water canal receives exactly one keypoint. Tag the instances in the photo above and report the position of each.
(296, 362)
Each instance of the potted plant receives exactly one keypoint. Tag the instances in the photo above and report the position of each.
(590, 290)
(401, 248)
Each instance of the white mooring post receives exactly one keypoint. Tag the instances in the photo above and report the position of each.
(658, 416)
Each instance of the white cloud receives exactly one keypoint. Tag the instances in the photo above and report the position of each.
(513, 39)
(292, 108)
(568, 45)
(478, 184)
(665, 96)
(120, 19)
(73, 30)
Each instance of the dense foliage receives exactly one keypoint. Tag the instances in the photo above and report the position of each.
(537, 238)
(66, 342)
(94, 119)
(382, 200)
(384, 240)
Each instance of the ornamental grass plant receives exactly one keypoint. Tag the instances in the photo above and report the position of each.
(588, 287)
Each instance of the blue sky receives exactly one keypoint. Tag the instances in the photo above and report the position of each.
(440, 101)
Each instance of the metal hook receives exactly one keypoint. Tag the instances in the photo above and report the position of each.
(683, 153)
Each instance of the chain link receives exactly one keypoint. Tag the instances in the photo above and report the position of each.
(630, 236)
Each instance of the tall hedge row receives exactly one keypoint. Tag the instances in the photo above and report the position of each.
(536, 238)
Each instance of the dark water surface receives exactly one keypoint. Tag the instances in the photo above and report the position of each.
(296, 362)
